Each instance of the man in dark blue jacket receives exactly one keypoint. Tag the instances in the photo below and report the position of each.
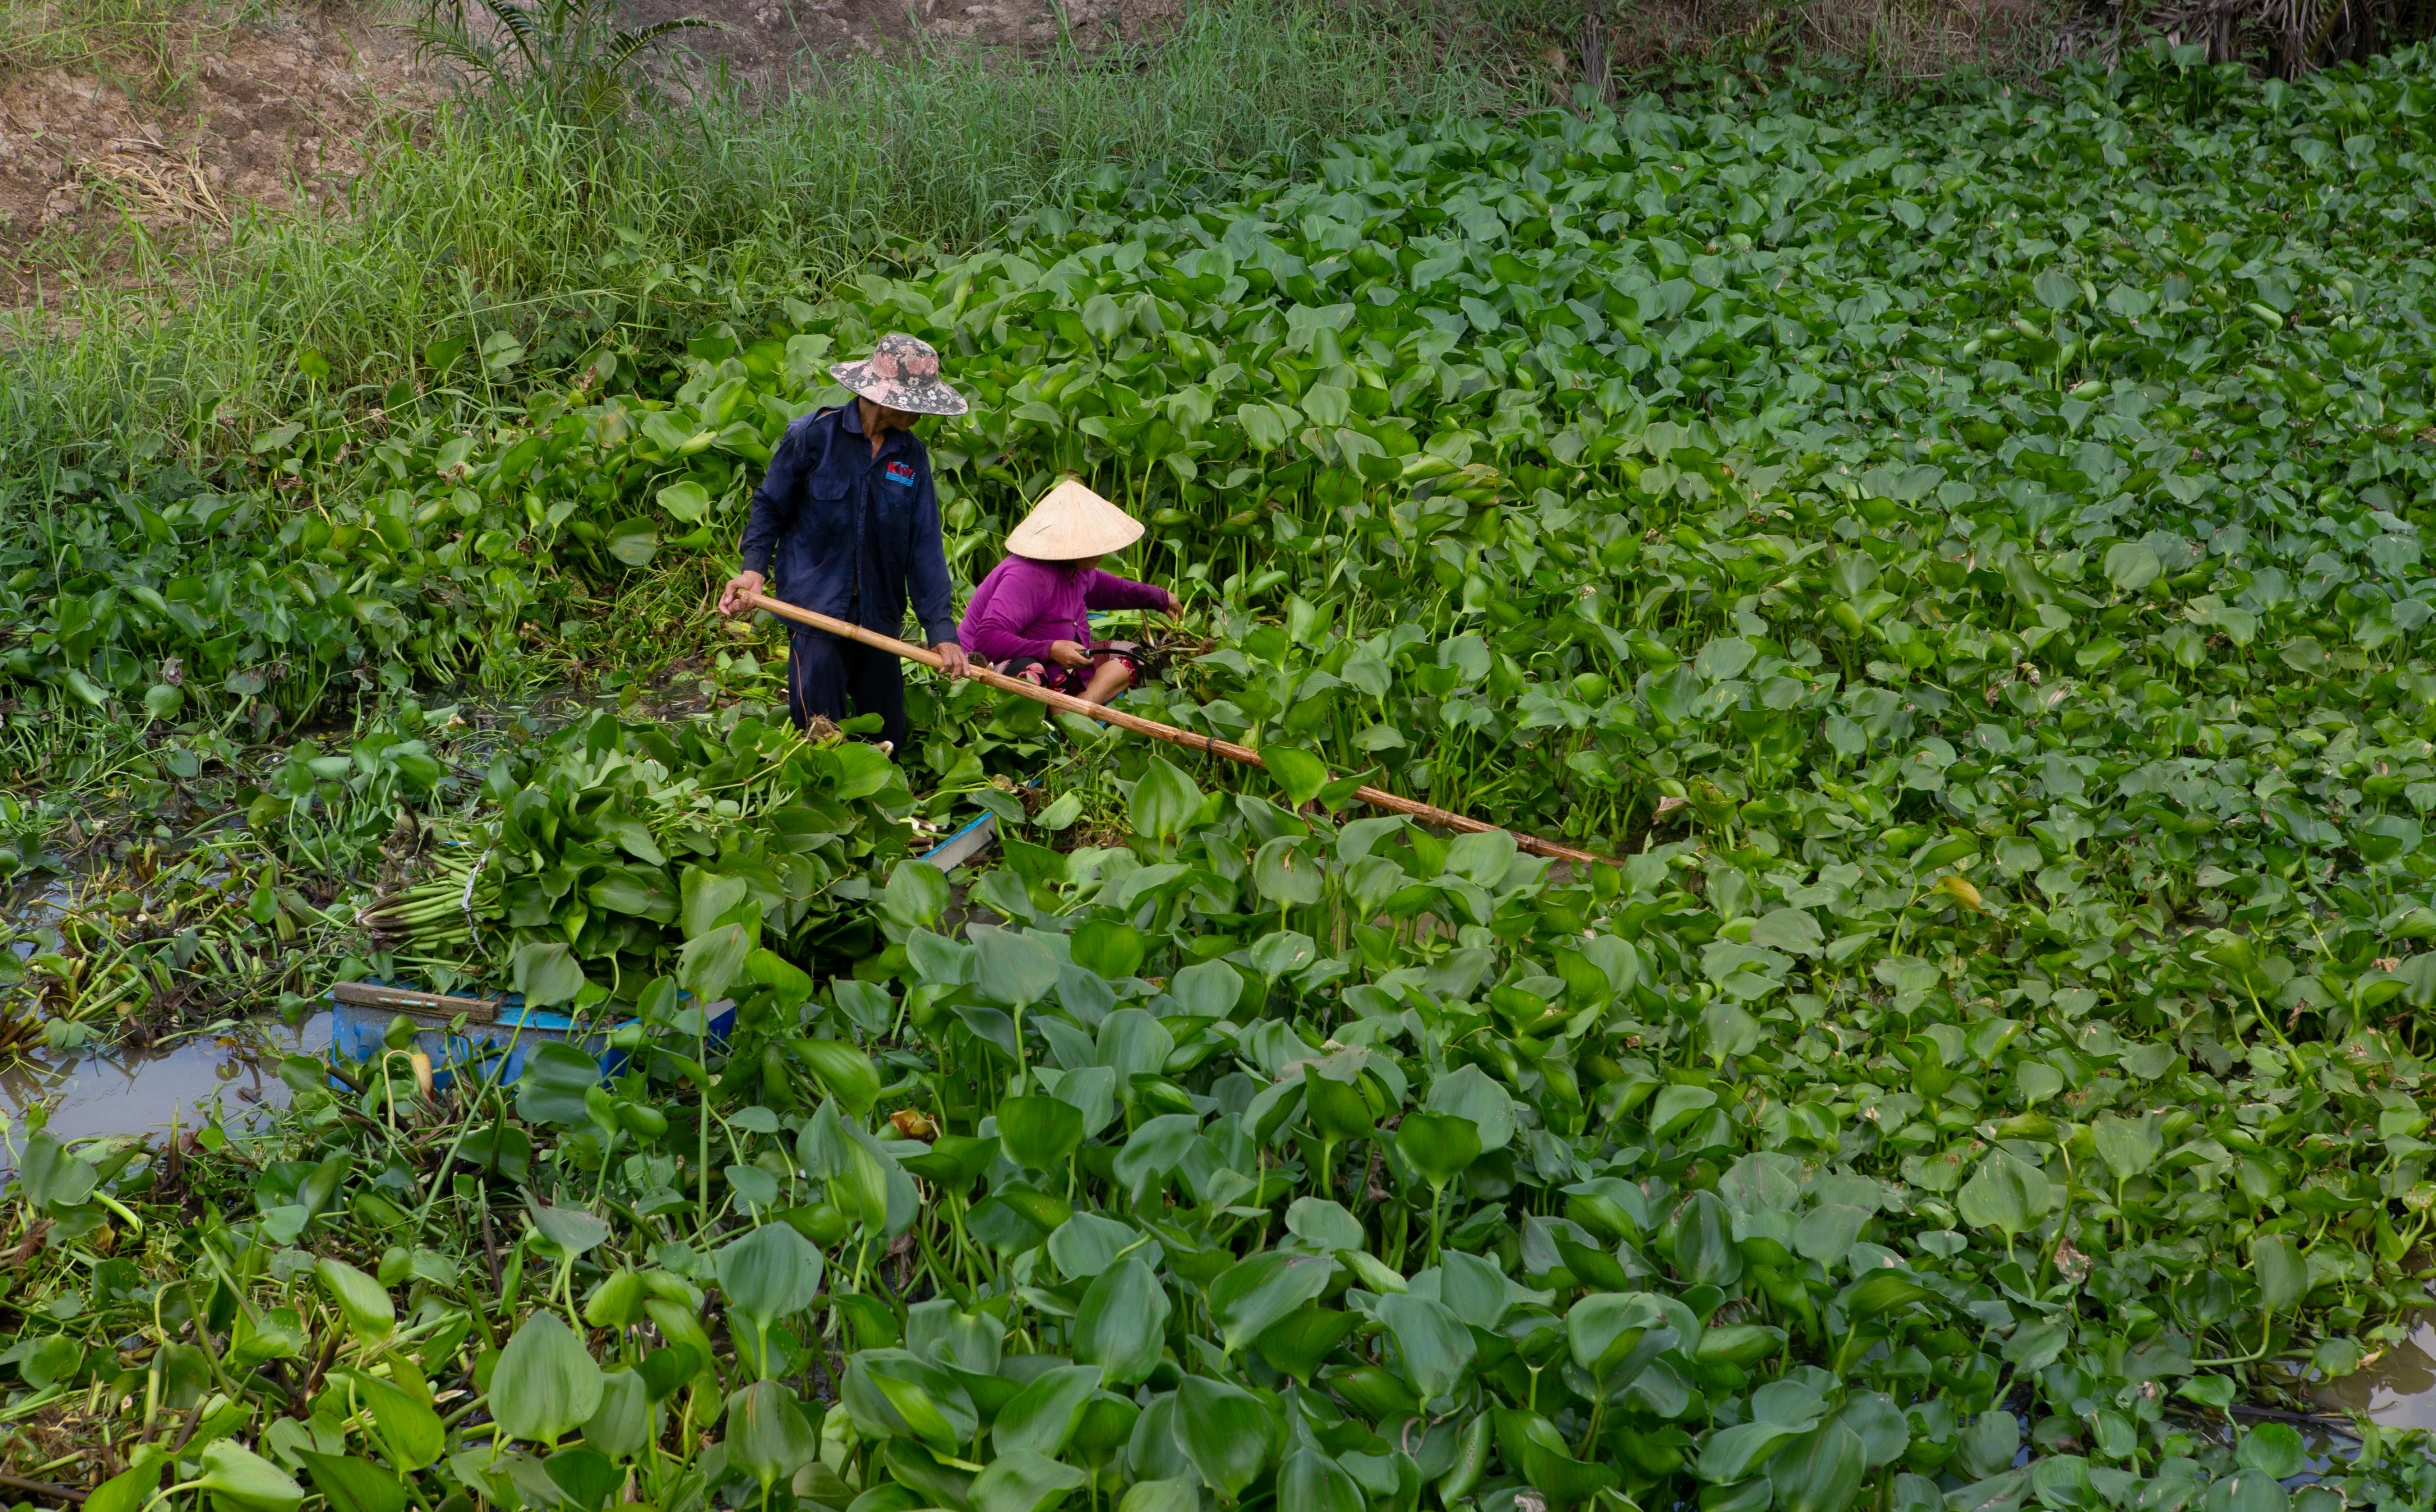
(849, 518)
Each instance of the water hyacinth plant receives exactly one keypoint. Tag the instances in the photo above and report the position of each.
(1960, 557)
(1454, 1186)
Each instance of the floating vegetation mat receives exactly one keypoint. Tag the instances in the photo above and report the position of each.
(1960, 556)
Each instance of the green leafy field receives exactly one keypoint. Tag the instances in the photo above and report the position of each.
(1959, 556)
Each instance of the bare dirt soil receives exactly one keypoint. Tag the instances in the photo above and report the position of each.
(273, 114)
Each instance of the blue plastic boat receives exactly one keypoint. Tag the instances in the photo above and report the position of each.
(499, 1046)
(501, 1032)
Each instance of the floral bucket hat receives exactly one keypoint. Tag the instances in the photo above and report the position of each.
(901, 373)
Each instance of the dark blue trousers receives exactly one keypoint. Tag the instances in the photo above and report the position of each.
(832, 677)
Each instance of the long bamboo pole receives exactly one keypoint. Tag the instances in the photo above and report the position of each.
(1375, 797)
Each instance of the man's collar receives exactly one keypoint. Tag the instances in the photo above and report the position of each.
(852, 418)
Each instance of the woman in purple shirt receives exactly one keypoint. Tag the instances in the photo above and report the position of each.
(1031, 616)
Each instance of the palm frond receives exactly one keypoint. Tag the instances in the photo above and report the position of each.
(626, 44)
(557, 45)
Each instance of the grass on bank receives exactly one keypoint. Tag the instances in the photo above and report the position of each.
(495, 215)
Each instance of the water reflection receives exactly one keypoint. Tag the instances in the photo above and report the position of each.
(129, 1091)
(2397, 1389)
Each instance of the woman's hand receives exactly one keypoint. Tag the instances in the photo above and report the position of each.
(732, 597)
(1068, 653)
(1175, 605)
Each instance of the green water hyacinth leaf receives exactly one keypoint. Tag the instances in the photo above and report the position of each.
(1285, 875)
(1108, 948)
(2005, 1193)
(1880, 1425)
(1281, 953)
(556, 1077)
(892, 1394)
(1309, 1481)
(2283, 1277)
(1882, 1291)
(1788, 929)
(1728, 1028)
(2132, 566)
(1433, 1346)
(1208, 989)
(1468, 1093)
(2275, 1450)
(1989, 1444)
(1226, 1433)
(1298, 1343)
(130, 1489)
(1023, 1480)
(408, 1428)
(348, 1484)
(1061, 814)
(2129, 1146)
(1175, 1494)
(1039, 1132)
(548, 974)
(360, 1299)
(1828, 1232)
(1532, 1442)
(1704, 1249)
(241, 1481)
(620, 1428)
(916, 895)
(687, 501)
(266, 1334)
(710, 962)
(1299, 774)
(1263, 426)
(1337, 1109)
(545, 1384)
(771, 1272)
(1781, 1413)
(1604, 1330)
(572, 1229)
(1441, 1146)
(1012, 969)
(1675, 1107)
(52, 1177)
(1121, 1323)
(1821, 1471)
(2385, 837)
(1164, 801)
(633, 541)
(1257, 1292)
(843, 1070)
(790, 985)
(2056, 289)
(581, 1475)
(769, 1436)
(1043, 1417)
(49, 1358)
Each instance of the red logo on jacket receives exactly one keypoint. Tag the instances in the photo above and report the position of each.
(900, 473)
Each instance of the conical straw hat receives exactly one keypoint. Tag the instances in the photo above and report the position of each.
(1071, 521)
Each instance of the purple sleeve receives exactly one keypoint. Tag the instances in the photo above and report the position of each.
(1003, 607)
(1108, 591)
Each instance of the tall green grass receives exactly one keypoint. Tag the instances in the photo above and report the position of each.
(496, 214)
